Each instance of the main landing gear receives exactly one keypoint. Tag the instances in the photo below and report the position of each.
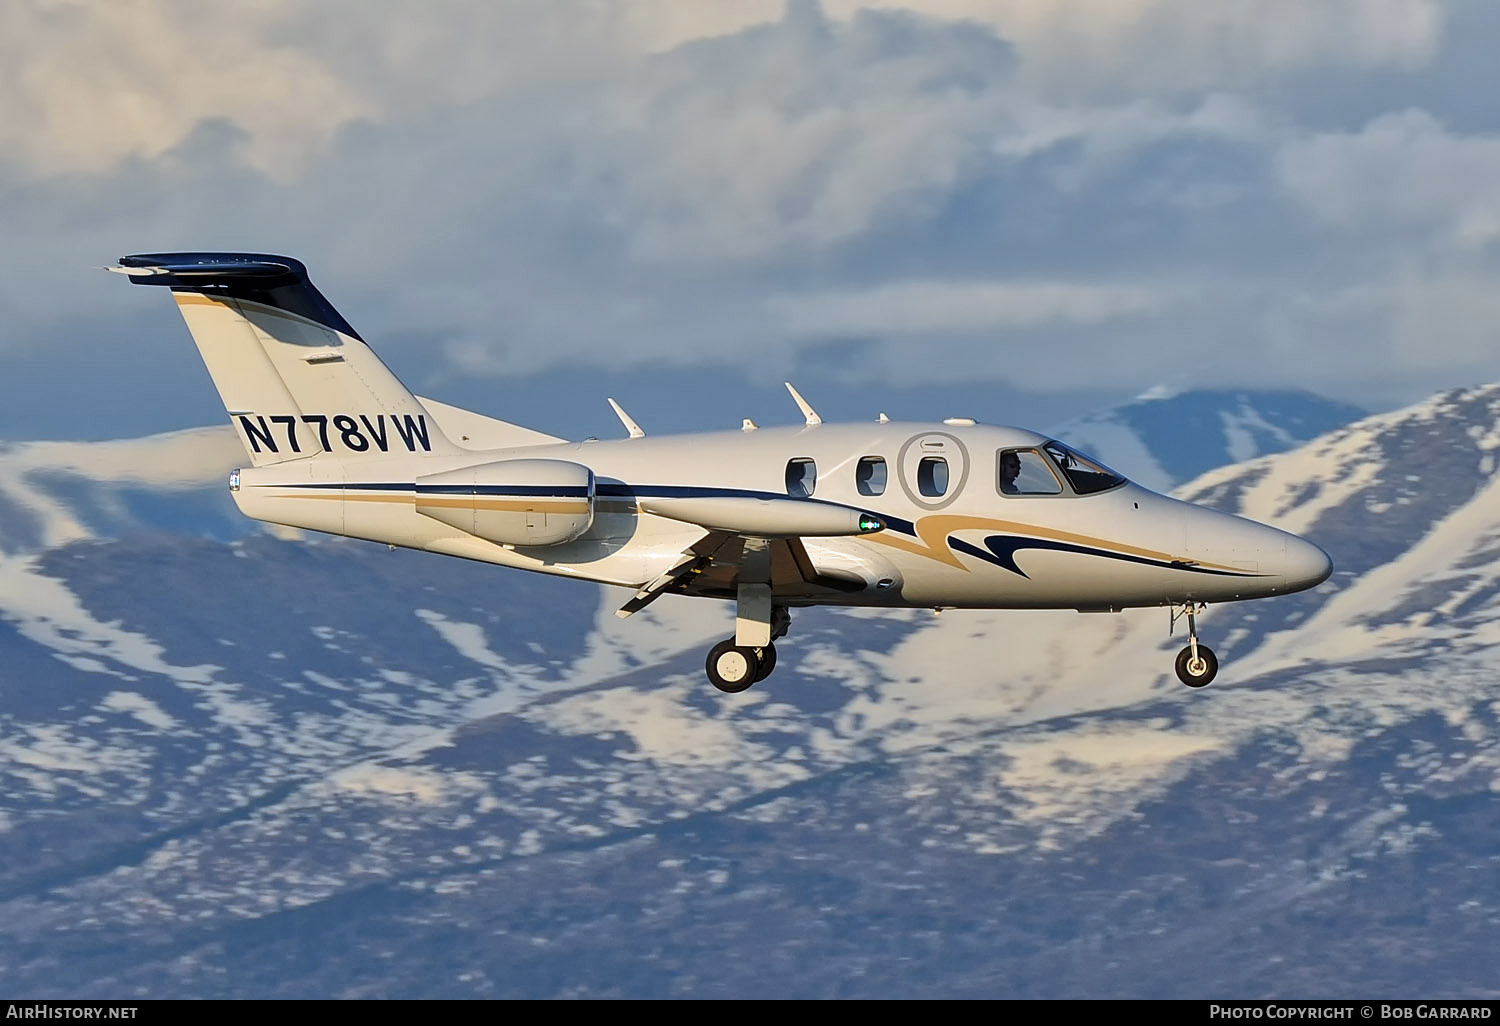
(1196, 664)
(733, 667)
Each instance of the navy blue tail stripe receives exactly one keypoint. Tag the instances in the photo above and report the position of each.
(264, 278)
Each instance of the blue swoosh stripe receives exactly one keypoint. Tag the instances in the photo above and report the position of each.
(1002, 551)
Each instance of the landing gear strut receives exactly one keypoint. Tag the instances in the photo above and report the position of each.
(1196, 664)
(732, 667)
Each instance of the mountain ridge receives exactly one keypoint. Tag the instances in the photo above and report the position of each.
(315, 768)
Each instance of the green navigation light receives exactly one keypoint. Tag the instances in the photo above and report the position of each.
(868, 523)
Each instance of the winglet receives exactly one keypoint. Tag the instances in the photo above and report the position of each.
(807, 411)
(748, 425)
(627, 420)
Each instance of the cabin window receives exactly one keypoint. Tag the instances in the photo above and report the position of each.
(1026, 472)
(801, 478)
(869, 475)
(1084, 474)
(932, 476)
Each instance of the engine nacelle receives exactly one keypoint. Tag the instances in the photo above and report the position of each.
(512, 502)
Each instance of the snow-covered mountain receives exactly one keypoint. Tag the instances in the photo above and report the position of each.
(257, 767)
(1164, 438)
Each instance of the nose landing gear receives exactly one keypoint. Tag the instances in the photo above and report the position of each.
(1196, 664)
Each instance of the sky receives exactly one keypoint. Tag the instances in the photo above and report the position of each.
(1016, 210)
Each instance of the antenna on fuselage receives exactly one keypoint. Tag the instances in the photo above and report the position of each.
(627, 420)
(807, 411)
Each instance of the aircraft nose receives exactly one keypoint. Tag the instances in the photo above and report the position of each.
(1305, 565)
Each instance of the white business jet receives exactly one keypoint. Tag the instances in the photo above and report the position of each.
(884, 514)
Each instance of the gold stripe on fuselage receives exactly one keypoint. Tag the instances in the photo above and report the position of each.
(341, 497)
(495, 505)
(509, 505)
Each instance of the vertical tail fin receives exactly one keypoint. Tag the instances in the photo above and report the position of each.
(295, 377)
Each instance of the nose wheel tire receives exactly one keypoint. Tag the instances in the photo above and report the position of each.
(1197, 673)
(732, 669)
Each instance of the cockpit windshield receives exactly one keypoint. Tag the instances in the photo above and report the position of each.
(1084, 474)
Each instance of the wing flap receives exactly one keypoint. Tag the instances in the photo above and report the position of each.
(715, 566)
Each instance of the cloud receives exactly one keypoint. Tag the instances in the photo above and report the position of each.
(943, 307)
(846, 127)
(1403, 169)
(88, 86)
(1098, 47)
(495, 190)
(1424, 320)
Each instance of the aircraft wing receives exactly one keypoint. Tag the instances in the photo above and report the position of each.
(792, 572)
(764, 516)
(721, 560)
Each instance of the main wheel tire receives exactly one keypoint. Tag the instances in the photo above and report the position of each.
(1200, 672)
(730, 668)
(767, 663)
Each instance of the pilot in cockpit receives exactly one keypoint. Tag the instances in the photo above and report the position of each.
(1010, 469)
